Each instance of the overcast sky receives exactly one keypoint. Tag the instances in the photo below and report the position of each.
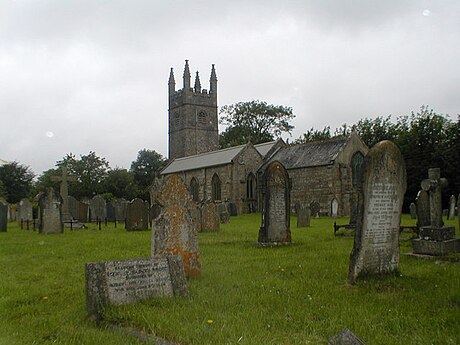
(80, 76)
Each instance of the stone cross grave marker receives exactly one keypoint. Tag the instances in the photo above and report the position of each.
(452, 203)
(413, 210)
(97, 208)
(128, 281)
(64, 191)
(3, 216)
(423, 209)
(433, 186)
(210, 220)
(137, 215)
(174, 231)
(276, 211)
(376, 244)
(50, 204)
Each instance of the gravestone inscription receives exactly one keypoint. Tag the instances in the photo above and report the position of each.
(50, 204)
(376, 244)
(137, 215)
(276, 211)
(128, 281)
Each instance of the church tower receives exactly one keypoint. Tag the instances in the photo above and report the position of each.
(192, 116)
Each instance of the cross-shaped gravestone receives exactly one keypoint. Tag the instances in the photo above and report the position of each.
(64, 191)
(433, 185)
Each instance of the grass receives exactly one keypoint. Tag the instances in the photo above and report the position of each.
(293, 294)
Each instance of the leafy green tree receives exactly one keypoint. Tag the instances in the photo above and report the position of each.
(314, 135)
(254, 121)
(16, 180)
(45, 180)
(120, 183)
(3, 192)
(145, 168)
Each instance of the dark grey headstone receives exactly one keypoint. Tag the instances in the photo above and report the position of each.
(51, 221)
(232, 209)
(3, 216)
(423, 208)
(303, 216)
(97, 208)
(110, 212)
(452, 203)
(346, 337)
(137, 215)
(376, 245)
(129, 281)
(413, 211)
(276, 211)
(120, 206)
(315, 208)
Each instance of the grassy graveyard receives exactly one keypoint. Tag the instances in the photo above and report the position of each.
(293, 294)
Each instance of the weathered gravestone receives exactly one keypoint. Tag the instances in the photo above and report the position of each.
(64, 191)
(376, 245)
(174, 231)
(3, 216)
(334, 208)
(110, 212)
(74, 207)
(50, 204)
(224, 216)
(83, 213)
(315, 208)
(276, 212)
(120, 206)
(413, 210)
(137, 215)
(303, 216)
(97, 208)
(452, 203)
(129, 281)
(423, 209)
(346, 337)
(24, 211)
(12, 208)
(210, 220)
(232, 209)
(435, 239)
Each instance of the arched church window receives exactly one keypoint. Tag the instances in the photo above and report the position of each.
(202, 117)
(251, 186)
(215, 188)
(195, 189)
(356, 168)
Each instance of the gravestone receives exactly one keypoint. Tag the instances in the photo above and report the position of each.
(3, 216)
(97, 208)
(452, 203)
(334, 208)
(435, 239)
(137, 215)
(110, 212)
(232, 209)
(74, 207)
(174, 231)
(346, 337)
(423, 208)
(50, 204)
(64, 191)
(376, 245)
(276, 210)
(224, 216)
(303, 216)
(210, 220)
(195, 212)
(83, 211)
(413, 211)
(128, 281)
(315, 207)
(24, 211)
(12, 211)
(120, 209)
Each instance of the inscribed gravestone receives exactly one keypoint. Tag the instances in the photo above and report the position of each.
(315, 208)
(120, 209)
(334, 208)
(413, 211)
(51, 221)
(24, 211)
(137, 215)
(376, 245)
(423, 208)
(174, 231)
(276, 205)
(129, 281)
(3, 216)
(210, 221)
(452, 203)
(97, 208)
(303, 216)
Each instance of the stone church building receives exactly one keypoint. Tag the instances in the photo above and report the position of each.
(320, 171)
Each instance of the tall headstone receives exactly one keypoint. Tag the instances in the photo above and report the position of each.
(51, 221)
(334, 208)
(376, 245)
(74, 207)
(315, 208)
(303, 216)
(83, 211)
(423, 208)
(64, 191)
(137, 215)
(413, 210)
(97, 208)
(452, 203)
(12, 212)
(276, 212)
(120, 209)
(210, 220)
(435, 239)
(24, 211)
(174, 231)
(110, 212)
(3, 216)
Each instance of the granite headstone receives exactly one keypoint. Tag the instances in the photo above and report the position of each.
(97, 208)
(303, 216)
(50, 204)
(210, 220)
(137, 215)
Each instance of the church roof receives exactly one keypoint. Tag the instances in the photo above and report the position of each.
(310, 154)
(213, 158)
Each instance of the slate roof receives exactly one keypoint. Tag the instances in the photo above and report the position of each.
(213, 158)
(317, 153)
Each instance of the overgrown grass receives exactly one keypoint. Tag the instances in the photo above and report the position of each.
(293, 294)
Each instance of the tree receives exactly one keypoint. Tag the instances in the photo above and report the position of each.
(121, 184)
(314, 135)
(145, 168)
(254, 121)
(16, 180)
